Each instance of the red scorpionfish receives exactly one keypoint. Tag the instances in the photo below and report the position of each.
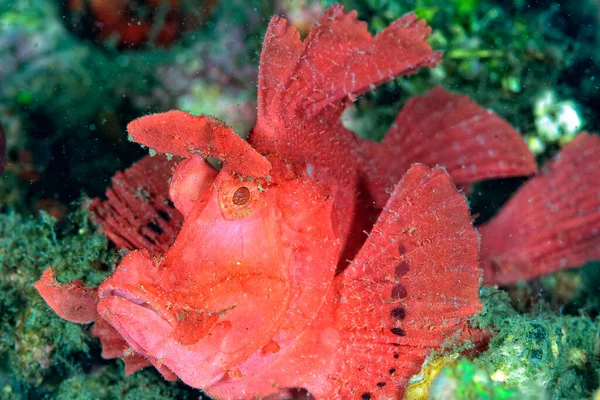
(314, 259)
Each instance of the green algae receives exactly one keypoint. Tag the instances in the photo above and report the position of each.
(539, 351)
(110, 383)
(41, 354)
(32, 339)
(467, 381)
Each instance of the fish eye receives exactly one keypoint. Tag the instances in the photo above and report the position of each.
(241, 196)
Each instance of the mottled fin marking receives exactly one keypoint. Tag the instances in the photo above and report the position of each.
(440, 128)
(138, 213)
(411, 287)
(552, 222)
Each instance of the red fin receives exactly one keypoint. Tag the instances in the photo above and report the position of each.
(182, 134)
(135, 362)
(305, 85)
(338, 60)
(137, 213)
(411, 287)
(73, 301)
(552, 222)
(164, 371)
(440, 128)
(113, 344)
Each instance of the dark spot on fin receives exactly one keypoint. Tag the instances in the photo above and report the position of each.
(398, 292)
(155, 227)
(149, 239)
(381, 384)
(365, 396)
(392, 371)
(164, 215)
(398, 313)
(398, 331)
(396, 355)
(401, 269)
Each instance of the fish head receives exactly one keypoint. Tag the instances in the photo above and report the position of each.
(225, 288)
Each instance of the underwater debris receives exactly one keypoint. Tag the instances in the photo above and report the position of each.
(465, 380)
(556, 122)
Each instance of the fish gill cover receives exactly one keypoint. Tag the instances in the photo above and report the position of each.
(353, 262)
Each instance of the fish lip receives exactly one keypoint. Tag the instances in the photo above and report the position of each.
(134, 299)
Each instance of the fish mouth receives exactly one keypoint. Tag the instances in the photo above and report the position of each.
(141, 323)
(135, 300)
(148, 331)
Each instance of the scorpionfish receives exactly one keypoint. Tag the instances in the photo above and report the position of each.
(312, 259)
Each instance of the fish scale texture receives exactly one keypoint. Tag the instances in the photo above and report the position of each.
(410, 288)
(552, 222)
